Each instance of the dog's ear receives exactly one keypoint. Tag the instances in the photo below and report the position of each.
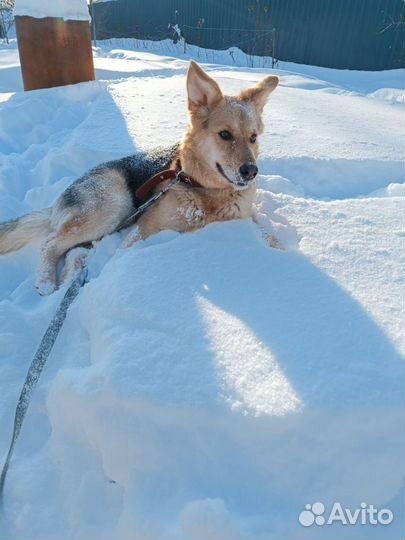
(258, 94)
(203, 92)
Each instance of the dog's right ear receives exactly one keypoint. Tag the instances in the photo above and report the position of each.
(203, 92)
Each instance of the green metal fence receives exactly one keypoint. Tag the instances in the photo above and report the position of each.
(348, 34)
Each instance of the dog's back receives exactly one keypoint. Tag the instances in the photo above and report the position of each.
(139, 167)
(118, 178)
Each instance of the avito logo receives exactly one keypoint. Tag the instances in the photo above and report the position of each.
(366, 514)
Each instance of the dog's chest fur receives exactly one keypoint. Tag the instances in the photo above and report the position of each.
(199, 206)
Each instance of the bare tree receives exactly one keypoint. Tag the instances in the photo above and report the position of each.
(6, 18)
(397, 25)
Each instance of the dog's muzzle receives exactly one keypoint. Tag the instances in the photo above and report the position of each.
(247, 172)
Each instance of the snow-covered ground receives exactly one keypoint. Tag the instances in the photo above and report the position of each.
(205, 386)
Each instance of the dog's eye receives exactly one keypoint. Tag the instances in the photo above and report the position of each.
(225, 135)
(253, 138)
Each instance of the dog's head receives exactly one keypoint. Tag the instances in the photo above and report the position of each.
(223, 130)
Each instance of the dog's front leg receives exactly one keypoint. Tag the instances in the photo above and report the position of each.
(133, 235)
(178, 211)
(147, 224)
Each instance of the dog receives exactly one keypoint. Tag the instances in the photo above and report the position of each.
(219, 151)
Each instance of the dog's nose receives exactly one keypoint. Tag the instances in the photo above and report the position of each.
(248, 171)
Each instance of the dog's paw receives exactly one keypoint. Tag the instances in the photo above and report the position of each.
(276, 231)
(45, 285)
(75, 260)
(270, 239)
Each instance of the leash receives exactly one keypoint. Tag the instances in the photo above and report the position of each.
(49, 338)
(37, 365)
(175, 177)
(141, 209)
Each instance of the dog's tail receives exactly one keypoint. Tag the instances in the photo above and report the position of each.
(14, 234)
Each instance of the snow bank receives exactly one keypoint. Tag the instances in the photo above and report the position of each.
(219, 395)
(205, 386)
(363, 82)
(76, 10)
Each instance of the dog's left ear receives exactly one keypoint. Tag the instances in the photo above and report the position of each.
(203, 92)
(258, 94)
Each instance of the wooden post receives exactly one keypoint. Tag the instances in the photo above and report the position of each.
(54, 52)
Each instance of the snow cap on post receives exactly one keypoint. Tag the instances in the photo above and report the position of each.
(68, 10)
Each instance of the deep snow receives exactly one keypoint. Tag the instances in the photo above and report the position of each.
(205, 386)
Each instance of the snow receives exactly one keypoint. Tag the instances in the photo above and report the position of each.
(206, 386)
(76, 10)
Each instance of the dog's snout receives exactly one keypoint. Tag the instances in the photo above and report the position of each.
(248, 171)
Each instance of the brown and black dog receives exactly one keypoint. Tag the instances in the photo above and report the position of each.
(218, 150)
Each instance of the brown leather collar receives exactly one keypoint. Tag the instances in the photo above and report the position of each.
(168, 174)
